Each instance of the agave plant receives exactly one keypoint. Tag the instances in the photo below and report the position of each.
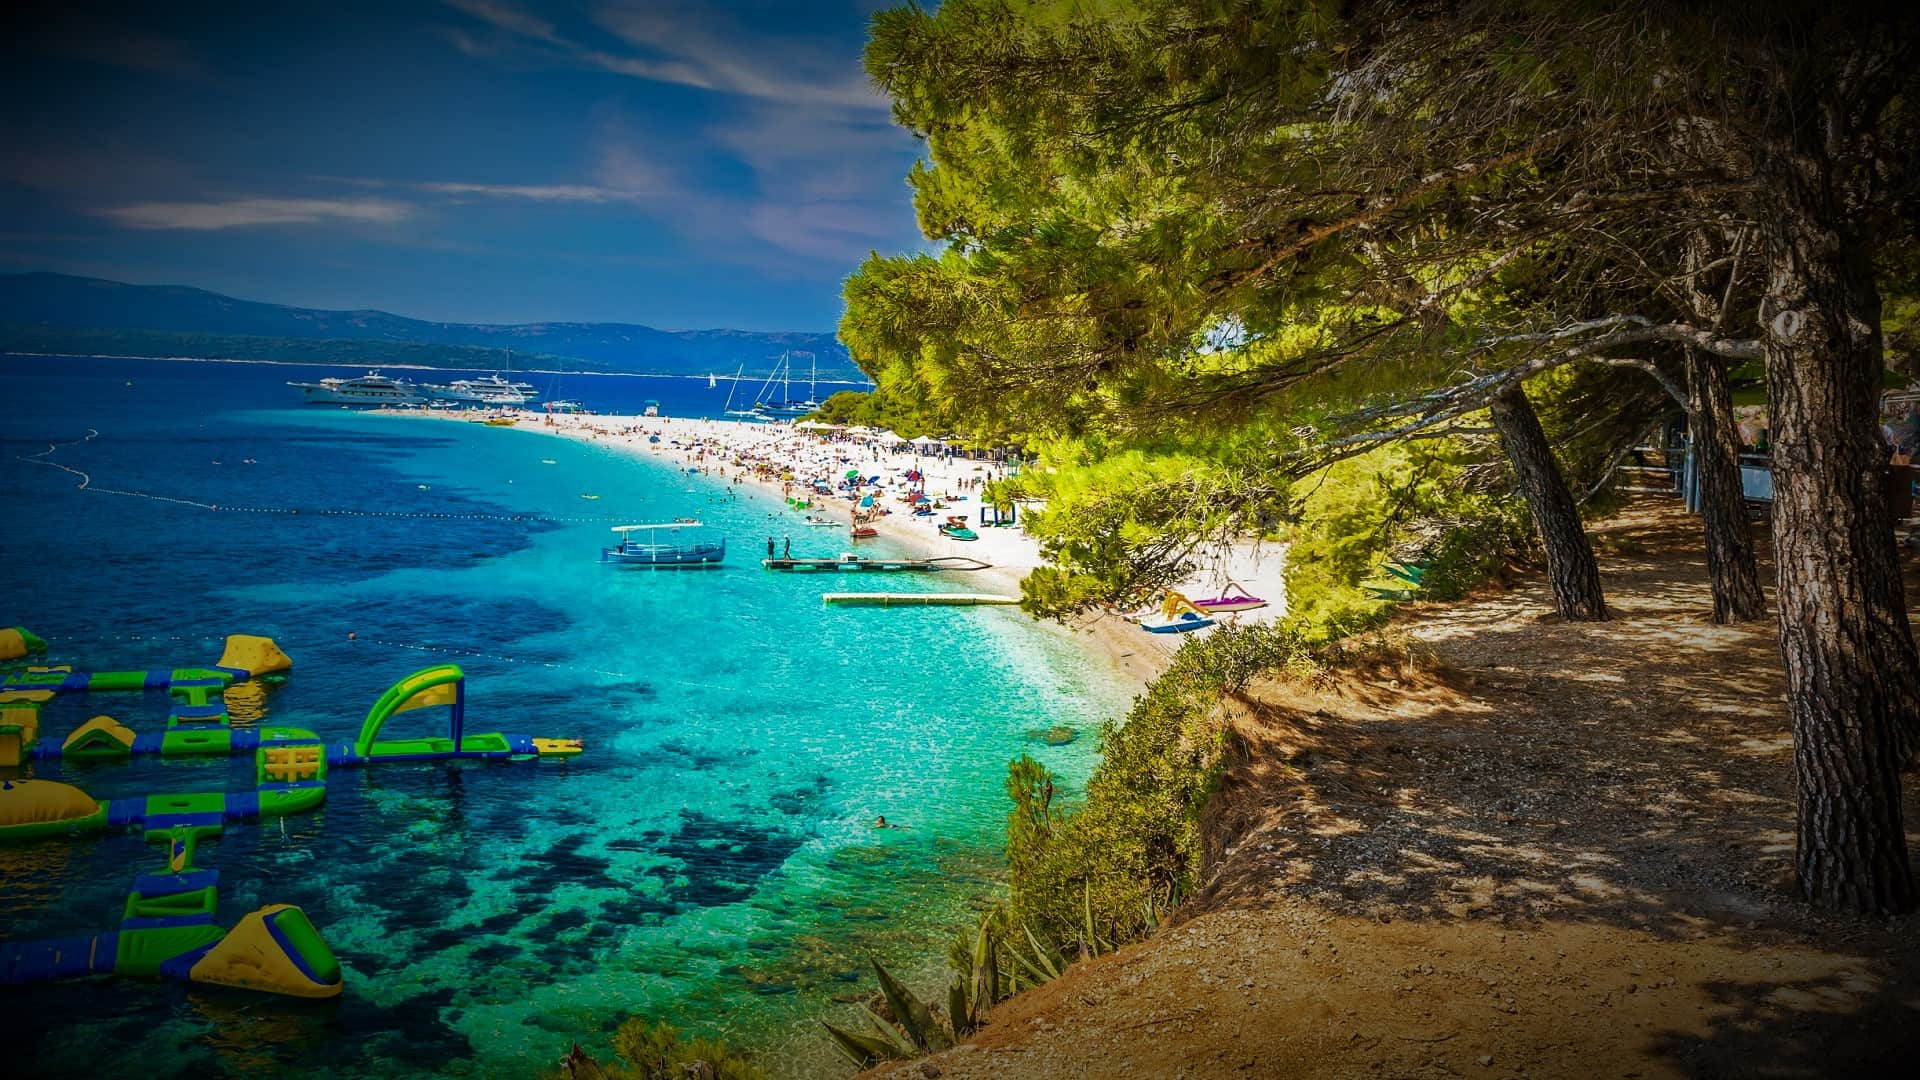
(913, 1031)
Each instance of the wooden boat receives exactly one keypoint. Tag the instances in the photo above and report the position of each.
(677, 550)
(1234, 597)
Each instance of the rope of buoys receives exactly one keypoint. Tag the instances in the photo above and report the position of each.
(86, 481)
(86, 484)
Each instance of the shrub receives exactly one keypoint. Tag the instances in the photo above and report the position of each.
(1133, 849)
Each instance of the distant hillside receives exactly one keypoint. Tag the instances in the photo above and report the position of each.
(58, 313)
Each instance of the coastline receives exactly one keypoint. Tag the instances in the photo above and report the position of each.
(1115, 644)
(395, 367)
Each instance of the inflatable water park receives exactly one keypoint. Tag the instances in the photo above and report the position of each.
(167, 928)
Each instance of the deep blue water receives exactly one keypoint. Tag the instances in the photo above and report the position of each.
(710, 857)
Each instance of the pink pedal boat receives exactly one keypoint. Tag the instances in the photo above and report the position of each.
(1233, 598)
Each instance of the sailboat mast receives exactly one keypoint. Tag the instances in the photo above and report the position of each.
(735, 386)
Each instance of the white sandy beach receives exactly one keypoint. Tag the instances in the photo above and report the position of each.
(789, 461)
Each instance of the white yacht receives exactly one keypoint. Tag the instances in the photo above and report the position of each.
(372, 388)
(485, 390)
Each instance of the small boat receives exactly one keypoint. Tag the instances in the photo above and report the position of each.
(818, 522)
(548, 461)
(865, 532)
(955, 528)
(1177, 615)
(1183, 623)
(1234, 597)
(679, 549)
(502, 421)
(584, 496)
(652, 409)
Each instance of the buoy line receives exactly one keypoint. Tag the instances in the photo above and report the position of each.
(86, 484)
(86, 481)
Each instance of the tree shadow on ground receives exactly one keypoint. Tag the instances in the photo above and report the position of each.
(1511, 766)
(1846, 1024)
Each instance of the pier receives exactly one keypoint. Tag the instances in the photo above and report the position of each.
(886, 599)
(862, 563)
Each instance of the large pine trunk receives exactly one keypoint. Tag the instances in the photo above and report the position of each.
(1571, 570)
(1723, 503)
(1853, 678)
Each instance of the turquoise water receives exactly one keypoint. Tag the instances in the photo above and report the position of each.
(710, 858)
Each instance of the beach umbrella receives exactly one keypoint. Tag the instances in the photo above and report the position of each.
(866, 500)
(853, 474)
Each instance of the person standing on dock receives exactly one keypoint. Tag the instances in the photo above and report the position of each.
(787, 552)
(769, 547)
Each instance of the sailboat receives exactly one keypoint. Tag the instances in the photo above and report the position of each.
(740, 414)
(789, 409)
(557, 404)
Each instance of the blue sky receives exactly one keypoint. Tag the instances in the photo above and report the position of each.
(678, 164)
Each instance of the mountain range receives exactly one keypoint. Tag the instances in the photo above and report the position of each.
(59, 313)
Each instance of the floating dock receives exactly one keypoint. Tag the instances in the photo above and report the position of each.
(894, 599)
(863, 564)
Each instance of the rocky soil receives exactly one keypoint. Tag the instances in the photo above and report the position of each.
(1520, 847)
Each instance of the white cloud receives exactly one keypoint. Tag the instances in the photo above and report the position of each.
(507, 17)
(700, 52)
(581, 193)
(692, 44)
(244, 212)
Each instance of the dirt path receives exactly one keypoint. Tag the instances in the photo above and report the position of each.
(1548, 849)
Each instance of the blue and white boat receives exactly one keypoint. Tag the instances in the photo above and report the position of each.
(643, 545)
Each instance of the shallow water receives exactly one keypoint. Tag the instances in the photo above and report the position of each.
(709, 858)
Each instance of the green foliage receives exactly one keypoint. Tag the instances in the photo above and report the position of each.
(658, 1051)
(909, 1027)
(1409, 502)
(1107, 871)
(1120, 528)
(885, 410)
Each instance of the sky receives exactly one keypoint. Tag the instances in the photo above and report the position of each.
(677, 164)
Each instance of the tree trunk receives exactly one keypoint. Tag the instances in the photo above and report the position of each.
(1852, 674)
(1570, 567)
(1723, 504)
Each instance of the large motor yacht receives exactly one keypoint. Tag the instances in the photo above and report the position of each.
(372, 388)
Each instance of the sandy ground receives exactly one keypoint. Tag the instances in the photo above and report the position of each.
(1535, 848)
(762, 454)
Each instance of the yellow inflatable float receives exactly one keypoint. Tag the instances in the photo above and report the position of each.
(254, 655)
(45, 808)
(275, 949)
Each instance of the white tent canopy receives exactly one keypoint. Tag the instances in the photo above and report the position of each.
(892, 437)
(927, 440)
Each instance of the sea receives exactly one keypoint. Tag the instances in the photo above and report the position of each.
(710, 860)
